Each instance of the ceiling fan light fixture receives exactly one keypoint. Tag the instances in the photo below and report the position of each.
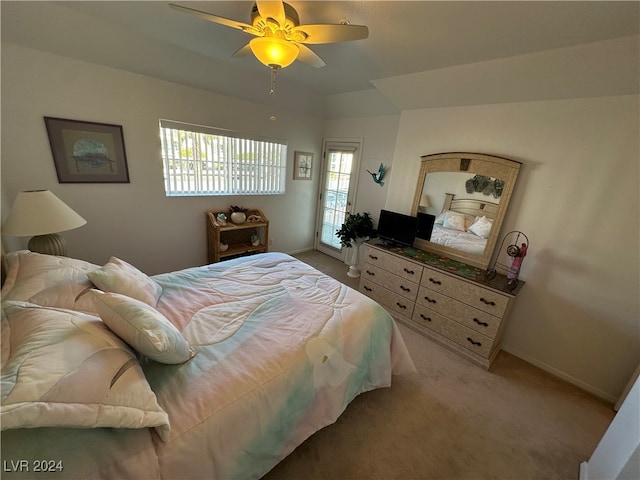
(274, 52)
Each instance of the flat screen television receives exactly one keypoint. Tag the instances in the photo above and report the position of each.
(397, 228)
(425, 225)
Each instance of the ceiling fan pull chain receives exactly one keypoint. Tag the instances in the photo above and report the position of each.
(272, 90)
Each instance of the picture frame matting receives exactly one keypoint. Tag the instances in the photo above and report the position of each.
(87, 152)
(302, 165)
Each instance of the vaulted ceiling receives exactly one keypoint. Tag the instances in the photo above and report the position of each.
(406, 37)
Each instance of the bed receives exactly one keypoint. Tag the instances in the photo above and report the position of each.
(464, 224)
(215, 372)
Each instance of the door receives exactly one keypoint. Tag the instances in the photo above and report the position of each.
(337, 193)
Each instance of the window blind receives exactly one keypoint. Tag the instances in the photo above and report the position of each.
(202, 160)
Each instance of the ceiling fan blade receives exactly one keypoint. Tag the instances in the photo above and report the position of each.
(272, 9)
(332, 33)
(215, 18)
(309, 57)
(242, 51)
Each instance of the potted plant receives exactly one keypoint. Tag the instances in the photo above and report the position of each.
(356, 229)
(238, 214)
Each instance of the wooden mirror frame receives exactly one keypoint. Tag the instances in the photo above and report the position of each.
(473, 164)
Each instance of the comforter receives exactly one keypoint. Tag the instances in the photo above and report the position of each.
(280, 351)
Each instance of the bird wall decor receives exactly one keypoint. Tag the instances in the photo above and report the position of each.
(377, 177)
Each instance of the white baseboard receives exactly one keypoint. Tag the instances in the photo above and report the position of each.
(584, 471)
(560, 374)
(302, 250)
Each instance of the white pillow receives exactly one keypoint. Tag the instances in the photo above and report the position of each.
(482, 227)
(48, 280)
(142, 327)
(118, 276)
(454, 221)
(63, 368)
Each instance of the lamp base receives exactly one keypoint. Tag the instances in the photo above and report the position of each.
(51, 244)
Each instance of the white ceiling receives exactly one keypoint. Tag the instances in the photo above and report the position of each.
(406, 37)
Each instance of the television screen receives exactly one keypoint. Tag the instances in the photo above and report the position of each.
(425, 225)
(397, 228)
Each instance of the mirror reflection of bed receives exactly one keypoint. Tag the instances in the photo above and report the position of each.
(461, 223)
(485, 181)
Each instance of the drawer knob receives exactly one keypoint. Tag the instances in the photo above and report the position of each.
(428, 319)
(370, 273)
(487, 302)
(410, 272)
(430, 300)
(472, 342)
(405, 289)
(373, 257)
(401, 306)
(436, 282)
(368, 289)
(482, 324)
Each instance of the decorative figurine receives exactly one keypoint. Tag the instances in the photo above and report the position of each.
(514, 270)
(377, 177)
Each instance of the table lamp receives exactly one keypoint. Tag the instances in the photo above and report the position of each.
(39, 213)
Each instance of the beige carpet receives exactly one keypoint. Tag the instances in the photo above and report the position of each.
(453, 420)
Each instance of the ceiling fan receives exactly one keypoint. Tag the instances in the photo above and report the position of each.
(280, 37)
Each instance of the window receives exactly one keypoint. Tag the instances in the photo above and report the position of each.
(200, 160)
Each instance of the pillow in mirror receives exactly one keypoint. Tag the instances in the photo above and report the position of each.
(457, 221)
(481, 227)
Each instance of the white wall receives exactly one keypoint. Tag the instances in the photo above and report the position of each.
(136, 221)
(577, 200)
(379, 135)
(617, 456)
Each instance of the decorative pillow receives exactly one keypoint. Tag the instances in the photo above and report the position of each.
(118, 276)
(482, 227)
(142, 327)
(454, 221)
(63, 368)
(48, 280)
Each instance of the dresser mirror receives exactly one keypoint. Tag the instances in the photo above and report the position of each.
(460, 201)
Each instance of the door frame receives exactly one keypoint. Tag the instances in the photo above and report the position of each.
(341, 253)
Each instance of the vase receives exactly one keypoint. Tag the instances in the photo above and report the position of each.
(238, 217)
(354, 262)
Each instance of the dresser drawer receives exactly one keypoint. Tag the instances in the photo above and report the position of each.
(394, 264)
(476, 296)
(463, 336)
(468, 316)
(387, 298)
(396, 284)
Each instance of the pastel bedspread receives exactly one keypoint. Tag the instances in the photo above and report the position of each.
(284, 349)
(281, 350)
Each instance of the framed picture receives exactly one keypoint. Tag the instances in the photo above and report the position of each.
(87, 152)
(302, 164)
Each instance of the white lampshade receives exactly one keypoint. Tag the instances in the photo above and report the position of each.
(40, 213)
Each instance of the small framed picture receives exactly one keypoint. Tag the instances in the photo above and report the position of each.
(302, 165)
(87, 152)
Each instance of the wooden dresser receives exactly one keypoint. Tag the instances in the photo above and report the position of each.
(448, 301)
